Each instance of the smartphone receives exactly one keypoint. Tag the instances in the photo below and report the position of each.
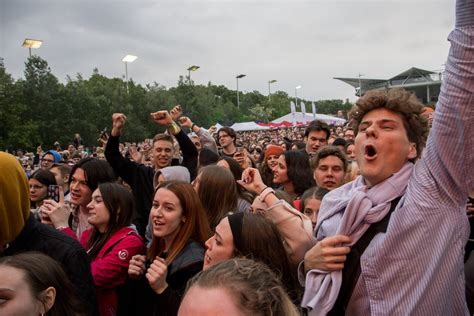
(471, 200)
(239, 153)
(53, 192)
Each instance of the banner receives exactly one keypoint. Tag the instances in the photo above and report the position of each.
(293, 112)
(303, 111)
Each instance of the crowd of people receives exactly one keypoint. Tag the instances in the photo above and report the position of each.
(368, 218)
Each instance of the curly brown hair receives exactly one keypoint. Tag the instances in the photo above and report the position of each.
(399, 101)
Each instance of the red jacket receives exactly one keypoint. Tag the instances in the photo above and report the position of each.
(110, 267)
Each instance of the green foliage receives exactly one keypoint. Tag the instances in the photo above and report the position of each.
(40, 110)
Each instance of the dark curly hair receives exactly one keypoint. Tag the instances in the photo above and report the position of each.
(298, 170)
(401, 102)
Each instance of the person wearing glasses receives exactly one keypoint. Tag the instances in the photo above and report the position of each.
(39, 182)
(49, 158)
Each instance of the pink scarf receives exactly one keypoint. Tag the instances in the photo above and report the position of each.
(363, 206)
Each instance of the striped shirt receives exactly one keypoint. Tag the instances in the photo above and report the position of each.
(416, 267)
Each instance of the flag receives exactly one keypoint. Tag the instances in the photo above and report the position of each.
(303, 111)
(313, 107)
(293, 112)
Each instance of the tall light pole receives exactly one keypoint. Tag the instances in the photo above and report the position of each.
(191, 68)
(31, 43)
(296, 95)
(269, 83)
(128, 59)
(360, 84)
(237, 78)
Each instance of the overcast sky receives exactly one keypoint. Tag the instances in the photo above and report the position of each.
(303, 43)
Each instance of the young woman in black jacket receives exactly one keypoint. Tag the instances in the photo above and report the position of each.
(176, 254)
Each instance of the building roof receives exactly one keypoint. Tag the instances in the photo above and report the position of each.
(414, 72)
(365, 82)
(410, 77)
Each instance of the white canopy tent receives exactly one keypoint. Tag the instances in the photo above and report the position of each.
(328, 119)
(248, 126)
(218, 126)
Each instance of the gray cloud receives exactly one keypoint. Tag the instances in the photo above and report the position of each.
(296, 42)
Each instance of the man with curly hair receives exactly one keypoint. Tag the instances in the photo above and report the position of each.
(392, 241)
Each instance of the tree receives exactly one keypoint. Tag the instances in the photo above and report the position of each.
(16, 131)
(43, 97)
(40, 109)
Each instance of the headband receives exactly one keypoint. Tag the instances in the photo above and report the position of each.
(235, 221)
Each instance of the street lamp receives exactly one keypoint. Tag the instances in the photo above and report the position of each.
(269, 83)
(32, 43)
(128, 59)
(296, 95)
(360, 85)
(192, 68)
(237, 78)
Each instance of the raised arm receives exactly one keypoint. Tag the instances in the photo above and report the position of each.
(294, 227)
(449, 156)
(190, 154)
(205, 137)
(122, 166)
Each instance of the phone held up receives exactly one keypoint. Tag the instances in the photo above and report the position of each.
(53, 192)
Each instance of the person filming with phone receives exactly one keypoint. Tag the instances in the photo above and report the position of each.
(39, 183)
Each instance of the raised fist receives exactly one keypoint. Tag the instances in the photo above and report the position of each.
(176, 112)
(162, 117)
(118, 121)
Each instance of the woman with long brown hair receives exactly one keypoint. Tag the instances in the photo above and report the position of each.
(217, 190)
(252, 236)
(176, 253)
(111, 242)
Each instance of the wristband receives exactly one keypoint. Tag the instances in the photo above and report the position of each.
(174, 128)
(265, 192)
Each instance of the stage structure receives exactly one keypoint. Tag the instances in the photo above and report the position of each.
(424, 83)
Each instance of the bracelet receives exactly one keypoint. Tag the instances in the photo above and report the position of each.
(174, 128)
(265, 192)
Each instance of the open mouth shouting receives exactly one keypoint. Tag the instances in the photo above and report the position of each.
(370, 153)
